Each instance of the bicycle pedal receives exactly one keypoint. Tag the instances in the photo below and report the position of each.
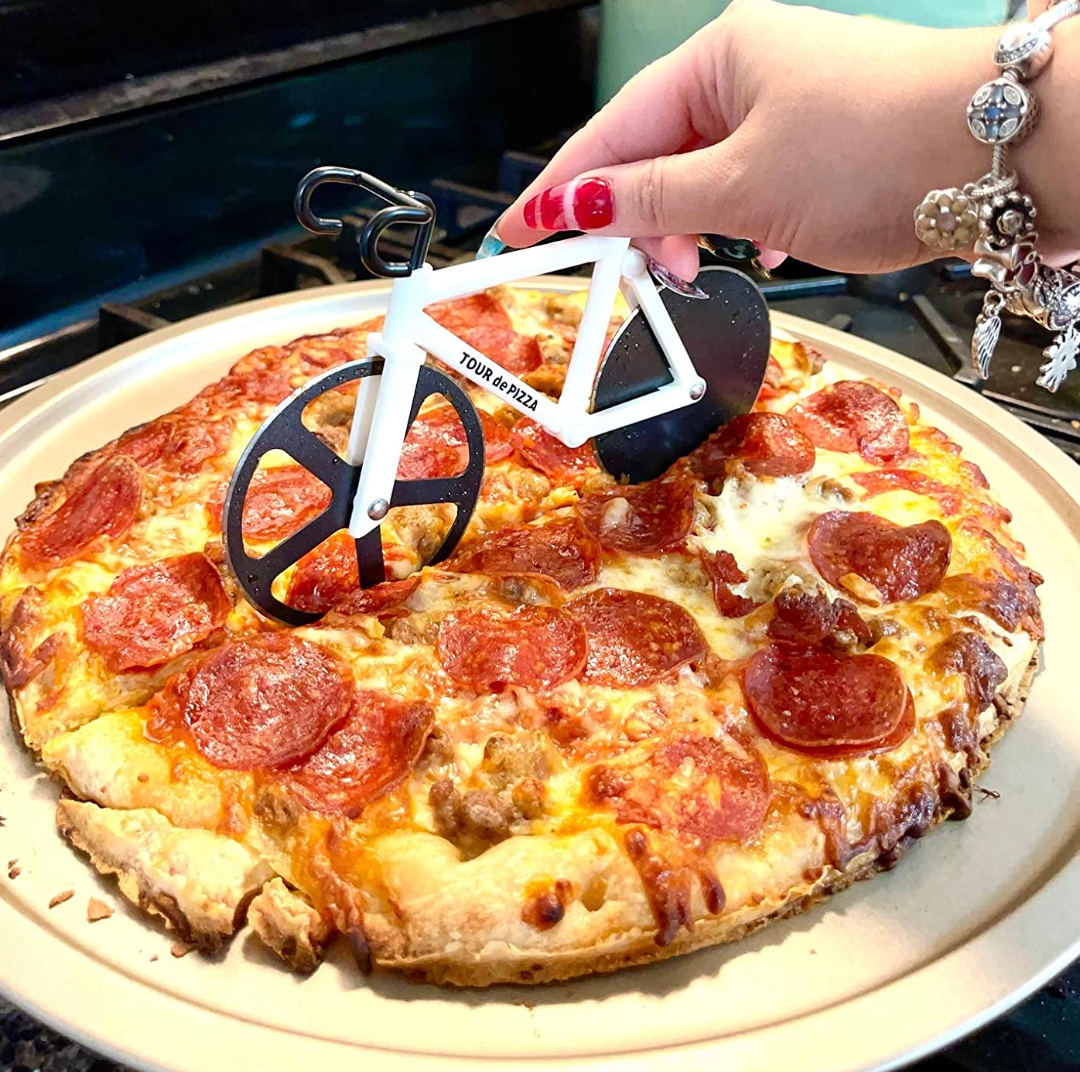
(727, 339)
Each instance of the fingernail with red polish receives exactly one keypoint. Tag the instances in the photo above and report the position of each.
(585, 204)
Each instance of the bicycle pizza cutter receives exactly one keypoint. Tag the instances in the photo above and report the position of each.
(641, 399)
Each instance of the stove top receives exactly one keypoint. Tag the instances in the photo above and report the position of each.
(927, 313)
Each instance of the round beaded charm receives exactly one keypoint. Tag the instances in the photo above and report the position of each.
(1007, 219)
(947, 220)
(1025, 48)
(1001, 111)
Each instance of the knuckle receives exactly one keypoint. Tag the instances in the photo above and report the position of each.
(648, 199)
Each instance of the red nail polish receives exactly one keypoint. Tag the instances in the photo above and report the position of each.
(583, 203)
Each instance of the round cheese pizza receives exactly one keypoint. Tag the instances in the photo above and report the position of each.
(619, 723)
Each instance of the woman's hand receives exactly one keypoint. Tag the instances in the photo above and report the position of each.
(811, 133)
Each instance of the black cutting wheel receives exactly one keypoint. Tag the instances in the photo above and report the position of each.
(727, 338)
(284, 430)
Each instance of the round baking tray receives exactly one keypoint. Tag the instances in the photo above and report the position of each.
(972, 920)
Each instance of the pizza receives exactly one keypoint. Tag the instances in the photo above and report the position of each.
(619, 723)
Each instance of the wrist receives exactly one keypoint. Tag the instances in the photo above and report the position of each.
(1047, 161)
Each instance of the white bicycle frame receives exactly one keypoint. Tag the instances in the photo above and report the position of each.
(380, 422)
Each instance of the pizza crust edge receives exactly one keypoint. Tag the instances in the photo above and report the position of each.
(641, 948)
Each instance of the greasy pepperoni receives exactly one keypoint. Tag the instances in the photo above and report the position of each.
(535, 647)
(977, 663)
(104, 504)
(723, 790)
(436, 445)
(21, 663)
(809, 698)
(265, 702)
(767, 444)
(327, 578)
(515, 353)
(772, 386)
(154, 613)
(477, 310)
(1023, 577)
(634, 638)
(543, 451)
(561, 550)
(178, 444)
(324, 575)
(380, 600)
(497, 442)
(900, 562)
(370, 753)
(263, 375)
(852, 416)
(723, 571)
(642, 519)
(994, 596)
(807, 618)
(880, 481)
(280, 501)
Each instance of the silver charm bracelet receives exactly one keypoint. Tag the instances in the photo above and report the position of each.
(1000, 219)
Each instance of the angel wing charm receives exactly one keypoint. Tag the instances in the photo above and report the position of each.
(1061, 357)
(987, 333)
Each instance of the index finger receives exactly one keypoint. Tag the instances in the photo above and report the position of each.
(664, 109)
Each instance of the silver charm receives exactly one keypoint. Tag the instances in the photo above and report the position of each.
(947, 219)
(1025, 48)
(1007, 219)
(1001, 111)
(1061, 357)
(987, 333)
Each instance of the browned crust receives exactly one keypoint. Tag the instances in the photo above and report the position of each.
(715, 931)
(162, 905)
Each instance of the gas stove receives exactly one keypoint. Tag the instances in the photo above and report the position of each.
(927, 313)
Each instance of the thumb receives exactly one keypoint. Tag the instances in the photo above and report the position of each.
(700, 191)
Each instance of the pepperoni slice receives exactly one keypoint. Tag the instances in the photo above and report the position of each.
(772, 386)
(1024, 578)
(994, 596)
(515, 353)
(265, 702)
(104, 504)
(723, 571)
(767, 444)
(807, 618)
(535, 647)
(380, 600)
(880, 481)
(899, 562)
(722, 792)
(328, 579)
(634, 638)
(371, 752)
(809, 698)
(178, 444)
(853, 416)
(642, 519)
(154, 613)
(477, 310)
(968, 655)
(280, 501)
(543, 451)
(561, 550)
(324, 575)
(436, 445)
